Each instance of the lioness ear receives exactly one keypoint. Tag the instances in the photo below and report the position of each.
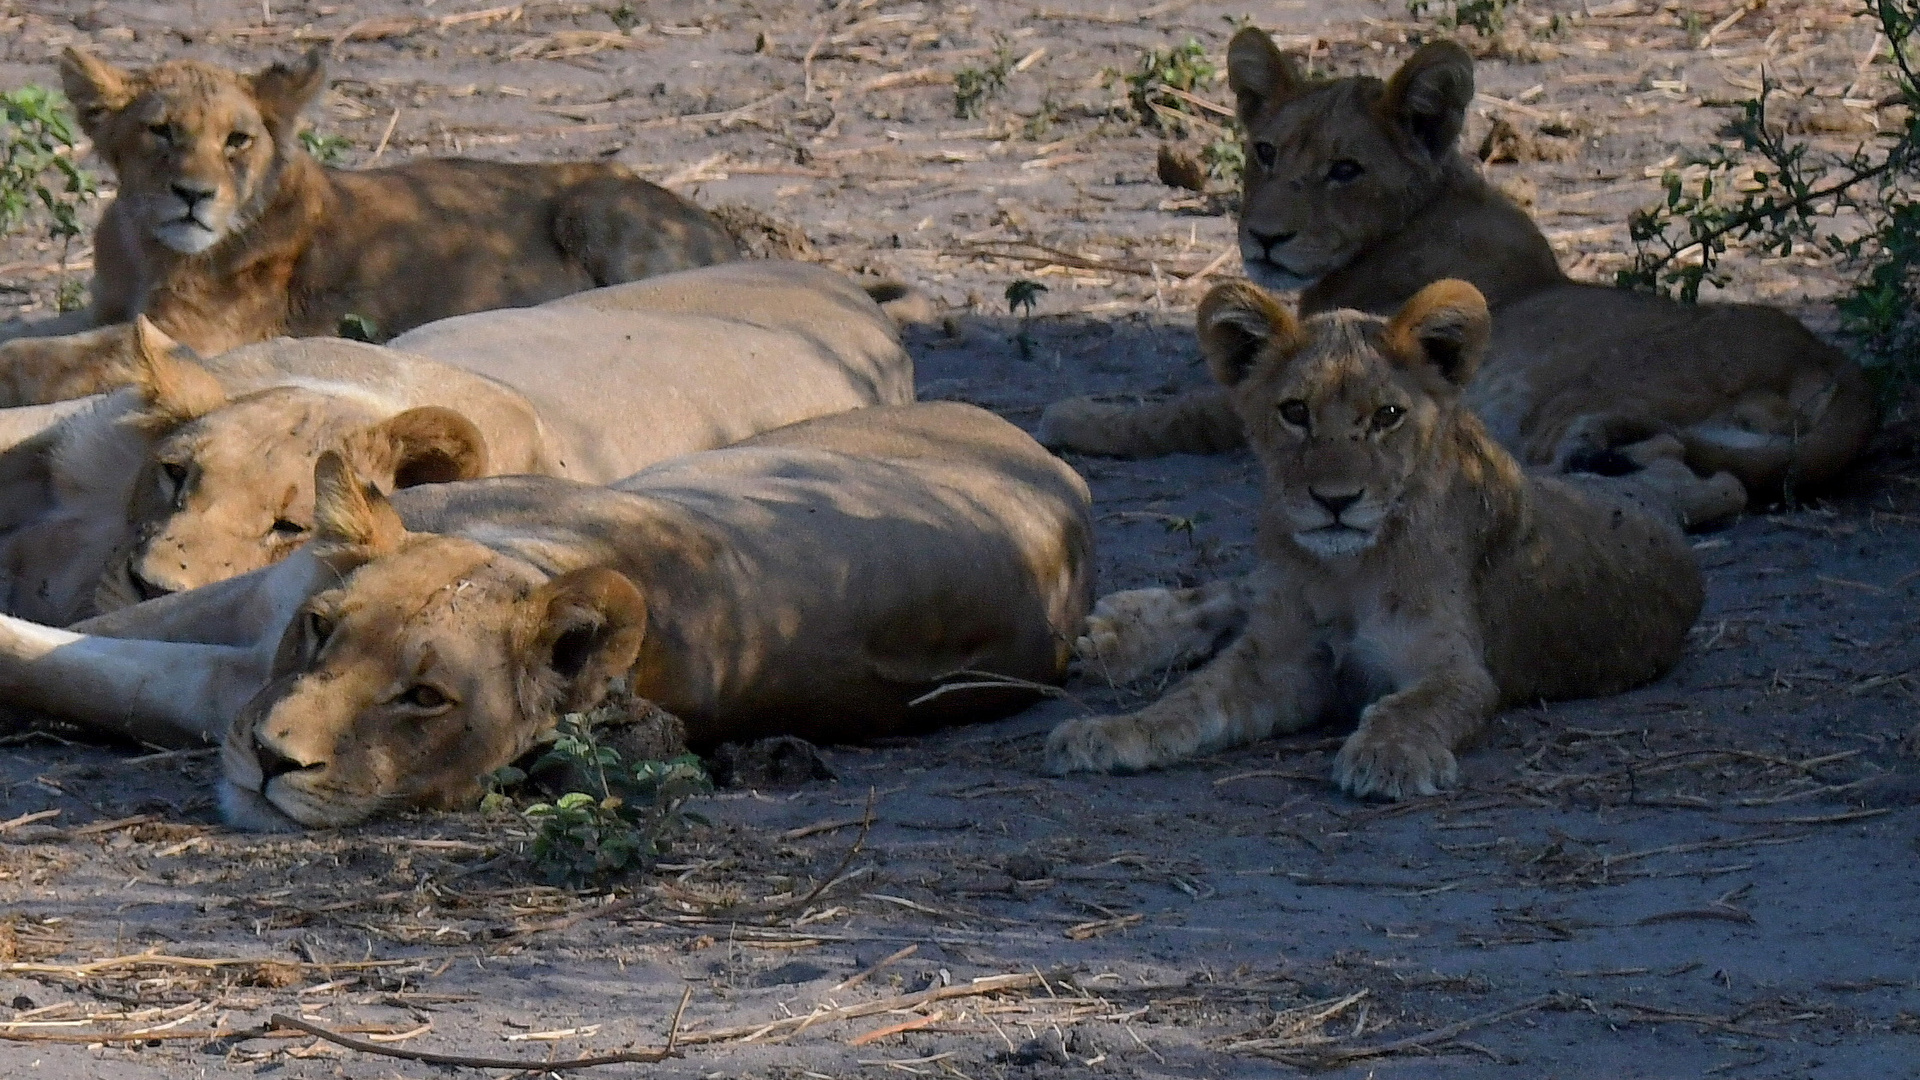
(1259, 73)
(283, 90)
(1429, 95)
(587, 630)
(1445, 324)
(349, 512)
(96, 88)
(429, 445)
(1237, 322)
(169, 377)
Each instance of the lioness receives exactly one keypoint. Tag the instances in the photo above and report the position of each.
(818, 580)
(1356, 191)
(1410, 571)
(203, 468)
(226, 231)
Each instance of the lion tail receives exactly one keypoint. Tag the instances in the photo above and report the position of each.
(1195, 422)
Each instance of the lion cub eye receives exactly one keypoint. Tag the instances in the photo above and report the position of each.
(1294, 412)
(1264, 153)
(286, 530)
(1387, 416)
(422, 696)
(239, 140)
(163, 132)
(319, 628)
(1345, 171)
(173, 482)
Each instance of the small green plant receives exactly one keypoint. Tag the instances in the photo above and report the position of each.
(1184, 68)
(629, 814)
(1775, 195)
(1040, 124)
(1175, 524)
(624, 17)
(36, 162)
(70, 295)
(973, 87)
(327, 149)
(1022, 295)
(1485, 16)
(1226, 157)
(355, 327)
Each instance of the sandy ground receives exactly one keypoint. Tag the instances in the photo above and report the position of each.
(1714, 875)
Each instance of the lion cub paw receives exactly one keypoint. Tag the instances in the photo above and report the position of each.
(1378, 762)
(1071, 423)
(1098, 744)
(1133, 634)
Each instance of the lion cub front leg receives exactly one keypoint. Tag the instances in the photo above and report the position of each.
(43, 370)
(1266, 681)
(1140, 632)
(1406, 741)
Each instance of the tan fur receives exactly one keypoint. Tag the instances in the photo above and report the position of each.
(203, 468)
(1410, 571)
(1574, 373)
(818, 580)
(225, 231)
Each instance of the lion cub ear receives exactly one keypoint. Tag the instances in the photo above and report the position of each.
(1428, 97)
(1238, 322)
(283, 90)
(585, 629)
(428, 445)
(348, 512)
(1445, 325)
(1259, 73)
(169, 378)
(96, 88)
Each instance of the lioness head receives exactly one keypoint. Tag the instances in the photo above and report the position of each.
(1333, 167)
(228, 484)
(1345, 410)
(197, 149)
(434, 661)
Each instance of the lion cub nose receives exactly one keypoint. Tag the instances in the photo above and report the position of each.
(192, 196)
(1336, 504)
(274, 763)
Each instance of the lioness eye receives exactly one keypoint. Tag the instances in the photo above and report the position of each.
(319, 628)
(423, 697)
(1294, 412)
(1387, 416)
(1344, 171)
(282, 528)
(1265, 154)
(239, 140)
(173, 481)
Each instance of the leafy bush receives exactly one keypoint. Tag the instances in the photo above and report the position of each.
(1792, 198)
(629, 813)
(36, 162)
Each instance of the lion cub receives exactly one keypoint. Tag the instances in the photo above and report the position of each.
(1410, 571)
(225, 231)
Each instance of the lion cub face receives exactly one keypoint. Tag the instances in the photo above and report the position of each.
(434, 662)
(1345, 409)
(1334, 167)
(197, 149)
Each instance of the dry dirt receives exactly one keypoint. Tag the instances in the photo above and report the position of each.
(1713, 876)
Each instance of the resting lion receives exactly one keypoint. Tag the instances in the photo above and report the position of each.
(226, 231)
(818, 580)
(203, 468)
(1410, 572)
(1356, 192)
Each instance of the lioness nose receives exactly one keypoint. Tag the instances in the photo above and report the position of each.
(1335, 504)
(1268, 240)
(192, 196)
(274, 763)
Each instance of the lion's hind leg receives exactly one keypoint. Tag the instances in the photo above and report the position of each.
(621, 228)
(1196, 422)
(1131, 635)
(1660, 482)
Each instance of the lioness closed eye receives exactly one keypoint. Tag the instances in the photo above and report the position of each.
(1410, 571)
(225, 231)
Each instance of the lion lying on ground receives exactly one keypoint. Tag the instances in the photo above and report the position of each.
(1410, 571)
(203, 468)
(818, 581)
(226, 231)
(1356, 192)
